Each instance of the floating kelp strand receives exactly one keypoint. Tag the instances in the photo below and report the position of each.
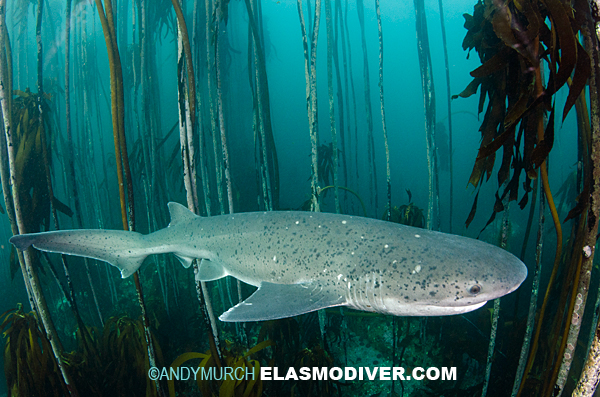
(310, 75)
(262, 104)
(19, 26)
(46, 161)
(270, 156)
(211, 73)
(310, 20)
(184, 126)
(162, 281)
(449, 99)
(383, 124)
(491, 347)
(4, 160)
(123, 153)
(223, 156)
(588, 381)
(580, 284)
(259, 163)
(142, 113)
(374, 195)
(351, 77)
(225, 160)
(145, 133)
(344, 121)
(429, 106)
(114, 109)
(121, 156)
(340, 103)
(187, 97)
(186, 142)
(261, 187)
(71, 151)
(539, 121)
(183, 36)
(7, 67)
(71, 169)
(532, 208)
(496, 313)
(532, 299)
(332, 126)
(313, 117)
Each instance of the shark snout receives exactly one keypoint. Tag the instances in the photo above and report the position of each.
(519, 275)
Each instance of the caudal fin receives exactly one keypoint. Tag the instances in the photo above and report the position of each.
(124, 250)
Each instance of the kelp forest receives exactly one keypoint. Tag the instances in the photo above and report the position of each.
(112, 109)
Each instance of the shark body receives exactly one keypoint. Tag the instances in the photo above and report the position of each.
(306, 261)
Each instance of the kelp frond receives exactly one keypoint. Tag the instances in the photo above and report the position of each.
(29, 365)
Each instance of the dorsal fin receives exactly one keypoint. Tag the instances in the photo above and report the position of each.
(179, 213)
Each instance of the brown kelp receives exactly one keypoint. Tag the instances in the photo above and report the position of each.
(374, 196)
(267, 161)
(31, 162)
(383, 123)
(121, 154)
(437, 129)
(332, 124)
(428, 88)
(13, 203)
(514, 42)
(187, 124)
(29, 366)
(591, 371)
(246, 381)
(407, 214)
(310, 71)
(113, 359)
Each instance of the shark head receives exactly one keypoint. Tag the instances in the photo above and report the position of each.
(458, 276)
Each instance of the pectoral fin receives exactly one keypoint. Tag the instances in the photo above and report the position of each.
(272, 301)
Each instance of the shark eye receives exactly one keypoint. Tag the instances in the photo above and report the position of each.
(475, 289)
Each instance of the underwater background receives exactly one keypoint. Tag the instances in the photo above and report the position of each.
(226, 114)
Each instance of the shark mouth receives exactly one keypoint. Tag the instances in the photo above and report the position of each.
(450, 310)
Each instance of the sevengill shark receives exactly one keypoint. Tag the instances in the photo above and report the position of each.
(306, 261)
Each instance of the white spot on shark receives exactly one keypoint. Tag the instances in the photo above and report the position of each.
(344, 222)
(417, 236)
(297, 222)
(386, 246)
(339, 276)
(275, 258)
(417, 269)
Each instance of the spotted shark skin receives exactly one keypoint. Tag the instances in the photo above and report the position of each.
(306, 261)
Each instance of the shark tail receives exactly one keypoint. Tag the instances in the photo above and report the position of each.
(122, 249)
